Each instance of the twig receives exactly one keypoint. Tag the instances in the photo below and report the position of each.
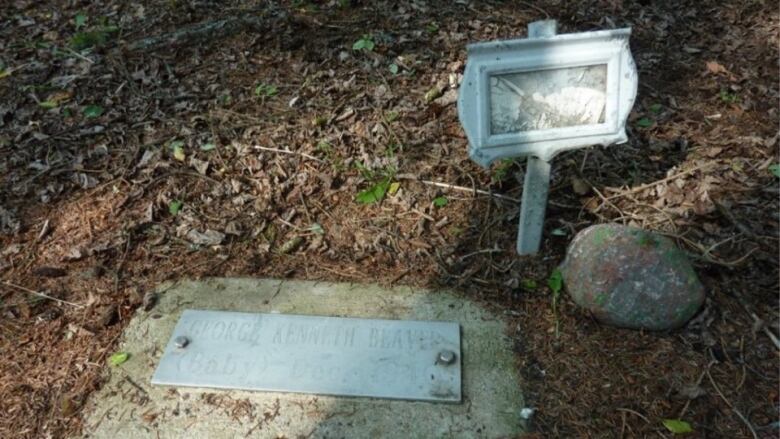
(73, 52)
(698, 383)
(661, 181)
(757, 319)
(39, 294)
(622, 409)
(488, 250)
(285, 151)
(717, 389)
(458, 188)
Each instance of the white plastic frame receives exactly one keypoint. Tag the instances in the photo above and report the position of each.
(608, 47)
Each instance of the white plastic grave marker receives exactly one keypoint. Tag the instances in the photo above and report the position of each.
(539, 96)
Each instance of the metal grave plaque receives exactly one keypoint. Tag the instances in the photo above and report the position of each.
(394, 359)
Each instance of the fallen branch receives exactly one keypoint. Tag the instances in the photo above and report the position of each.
(210, 30)
(39, 294)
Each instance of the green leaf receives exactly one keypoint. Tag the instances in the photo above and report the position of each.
(177, 146)
(373, 194)
(266, 90)
(394, 186)
(644, 122)
(440, 201)
(392, 116)
(559, 232)
(365, 43)
(118, 358)
(47, 104)
(92, 111)
(317, 228)
(4, 73)
(85, 40)
(775, 169)
(175, 207)
(208, 146)
(677, 426)
(656, 108)
(393, 68)
(80, 20)
(555, 282)
(528, 284)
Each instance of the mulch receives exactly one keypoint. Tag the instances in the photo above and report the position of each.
(248, 155)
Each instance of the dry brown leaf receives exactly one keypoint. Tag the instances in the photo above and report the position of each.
(715, 67)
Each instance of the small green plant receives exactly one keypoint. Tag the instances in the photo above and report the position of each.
(432, 28)
(501, 172)
(174, 207)
(393, 68)
(375, 193)
(266, 90)
(366, 43)
(555, 282)
(728, 98)
(528, 284)
(177, 149)
(95, 37)
(440, 201)
(381, 181)
(80, 20)
(644, 122)
(656, 108)
(775, 169)
(92, 111)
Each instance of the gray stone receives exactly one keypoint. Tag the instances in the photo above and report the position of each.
(128, 406)
(631, 278)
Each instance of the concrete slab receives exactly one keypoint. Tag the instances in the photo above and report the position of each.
(128, 406)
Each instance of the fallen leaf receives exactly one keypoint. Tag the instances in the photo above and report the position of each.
(440, 201)
(677, 426)
(715, 67)
(713, 152)
(394, 186)
(92, 111)
(644, 122)
(433, 93)
(209, 237)
(579, 186)
(118, 358)
(177, 146)
(291, 245)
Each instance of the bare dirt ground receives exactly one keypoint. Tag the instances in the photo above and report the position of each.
(246, 151)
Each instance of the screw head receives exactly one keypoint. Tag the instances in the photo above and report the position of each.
(181, 342)
(446, 357)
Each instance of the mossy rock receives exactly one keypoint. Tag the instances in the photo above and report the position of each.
(631, 278)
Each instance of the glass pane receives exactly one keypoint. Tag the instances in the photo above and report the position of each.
(544, 99)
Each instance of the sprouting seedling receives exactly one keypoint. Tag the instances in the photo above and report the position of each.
(366, 43)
